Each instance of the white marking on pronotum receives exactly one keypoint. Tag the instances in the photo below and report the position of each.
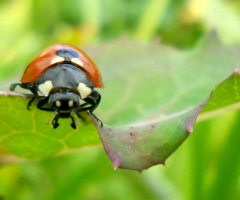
(84, 90)
(57, 59)
(47, 122)
(77, 61)
(58, 103)
(46, 87)
(78, 123)
(70, 103)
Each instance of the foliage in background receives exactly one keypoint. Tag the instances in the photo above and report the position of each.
(205, 167)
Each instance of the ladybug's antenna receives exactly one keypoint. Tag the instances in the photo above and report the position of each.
(78, 123)
(47, 122)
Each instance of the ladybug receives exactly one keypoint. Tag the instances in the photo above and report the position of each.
(63, 78)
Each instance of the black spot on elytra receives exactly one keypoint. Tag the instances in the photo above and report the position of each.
(67, 54)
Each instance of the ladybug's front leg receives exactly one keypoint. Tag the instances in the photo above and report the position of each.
(30, 103)
(42, 102)
(73, 124)
(94, 102)
(55, 122)
(32, 87)
(29, 86)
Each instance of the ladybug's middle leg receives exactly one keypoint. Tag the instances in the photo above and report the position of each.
(30, 102)
(73, 124)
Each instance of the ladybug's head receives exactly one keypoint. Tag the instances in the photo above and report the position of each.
(64, 103)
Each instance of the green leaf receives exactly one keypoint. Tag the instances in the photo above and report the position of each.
(25, 133)
(148, 81)
(140, 147)
(225, 94)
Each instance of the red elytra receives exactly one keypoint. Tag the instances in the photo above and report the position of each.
(42, 62)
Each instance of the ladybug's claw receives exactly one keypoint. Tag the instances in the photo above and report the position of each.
(98, 120)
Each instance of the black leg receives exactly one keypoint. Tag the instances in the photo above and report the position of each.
(42, 102)
(13, 86)
(30, 86)
(30, 103)
(55, 122)
(85, 104)
(98, 120)
(94, 104)
(92, 109)
(22, 85)
(84, 109)
(95, 95)
(73, 124)
(33, 88)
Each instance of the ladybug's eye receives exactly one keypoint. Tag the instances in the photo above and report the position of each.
(58, 103)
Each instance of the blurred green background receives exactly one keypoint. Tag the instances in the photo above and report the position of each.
(206, 166)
